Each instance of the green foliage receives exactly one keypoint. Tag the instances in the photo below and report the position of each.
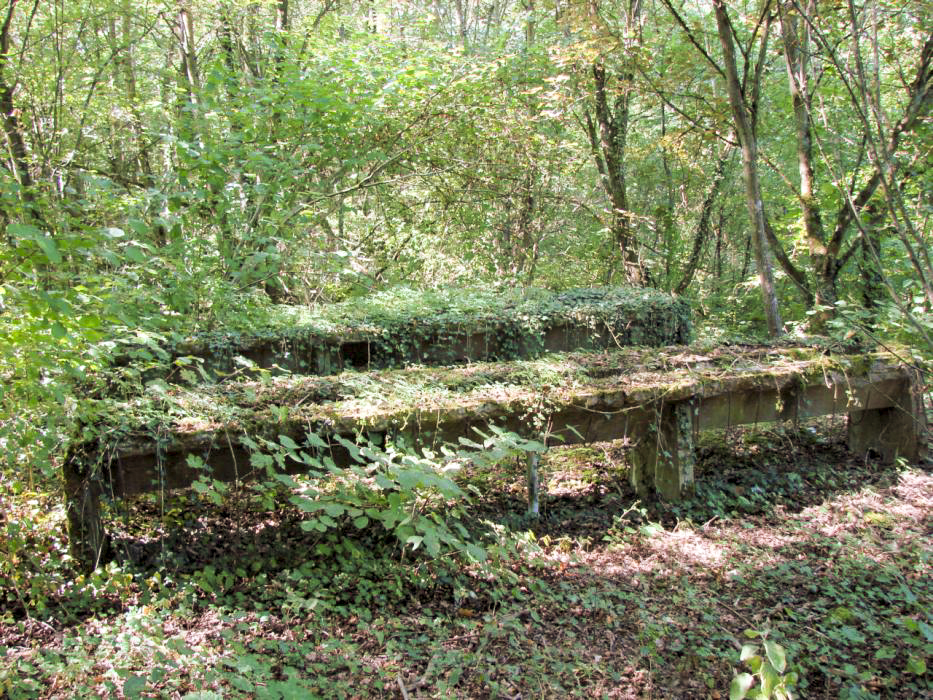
(425, 167)
(403, 326)
(770, 670)
(414, 497)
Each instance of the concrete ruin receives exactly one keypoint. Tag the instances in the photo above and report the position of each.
(657, 400)
(581, 319)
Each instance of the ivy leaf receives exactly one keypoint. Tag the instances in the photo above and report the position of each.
(134, 686)
(885, 653)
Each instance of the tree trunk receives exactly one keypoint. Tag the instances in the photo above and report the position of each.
(189, 58)
(796, 43)
(703, 226)
(12, 129)
(608, 137)
(872, 280)
(749, 143)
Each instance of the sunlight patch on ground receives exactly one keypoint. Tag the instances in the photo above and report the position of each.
(760, 537)
(904, 508)
(664, 552)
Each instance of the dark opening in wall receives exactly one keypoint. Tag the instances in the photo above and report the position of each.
(355, 355)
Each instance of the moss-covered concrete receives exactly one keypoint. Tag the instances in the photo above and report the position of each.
(656, 398)
(733, 386)
(507, 328)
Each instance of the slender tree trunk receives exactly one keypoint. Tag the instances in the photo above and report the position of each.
(703, 226)
(795, 36)
(16, 143)
(528, 6)
(665, 220)
(872, 280)
(189, 58)
(608, 136)
(749, 143)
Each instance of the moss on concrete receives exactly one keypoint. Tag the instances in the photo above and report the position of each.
(401, 329)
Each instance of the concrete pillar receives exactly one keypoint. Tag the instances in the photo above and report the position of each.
(899, 430)
(87, 539)
(663, 460)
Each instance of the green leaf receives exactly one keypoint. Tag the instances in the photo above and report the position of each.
(360, 522)
(776, 655)
(740, 686)
(916, 665)
(769, 679)
(431, 543)
(314, 440)
(306, 504)
(29, 232)
(134, 686)
(748, 651)
(288, 443)
(58, 331)
(134, 254)
(476, 553)
(261, 461)
(24, 231)
(886, 653)
(334, 509)
(49, 248)
(409, 480)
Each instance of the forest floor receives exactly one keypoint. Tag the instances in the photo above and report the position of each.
(789, 537)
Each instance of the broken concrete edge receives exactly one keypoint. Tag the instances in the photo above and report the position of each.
(593, 318)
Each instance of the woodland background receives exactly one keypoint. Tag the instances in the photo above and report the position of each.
(171, 167)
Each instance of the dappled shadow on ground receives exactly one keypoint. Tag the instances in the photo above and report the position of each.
(602, 596)
(741, 471)
(585, 497)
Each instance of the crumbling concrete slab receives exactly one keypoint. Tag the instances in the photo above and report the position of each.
(655, 399)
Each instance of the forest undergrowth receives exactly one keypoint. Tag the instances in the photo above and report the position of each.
(791, 540)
